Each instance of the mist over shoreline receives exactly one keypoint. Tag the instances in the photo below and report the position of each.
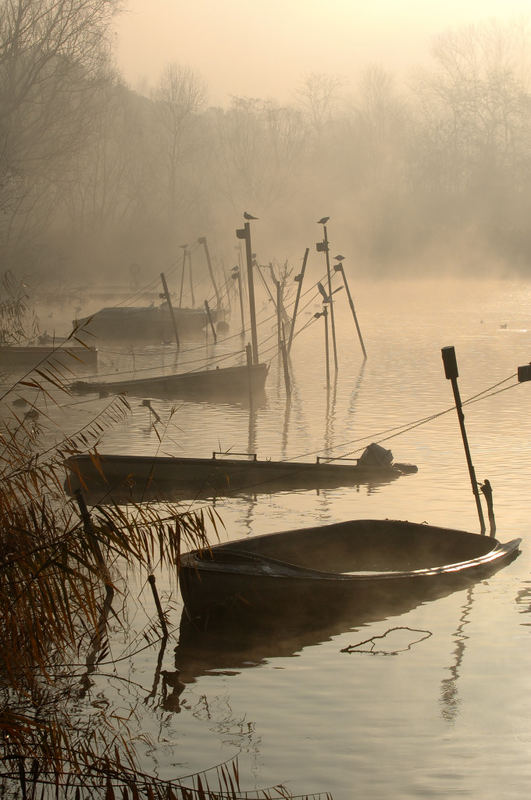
(420, 177)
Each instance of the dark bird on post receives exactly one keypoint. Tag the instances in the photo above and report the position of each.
(327, 298)
(323, 220)
(246, 215)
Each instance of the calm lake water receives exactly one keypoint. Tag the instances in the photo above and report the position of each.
(442, 706)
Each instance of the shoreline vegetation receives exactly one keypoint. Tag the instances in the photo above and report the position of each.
(63, 590)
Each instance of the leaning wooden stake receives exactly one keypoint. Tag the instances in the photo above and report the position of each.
(172, 314)
(299, 278)
(202, 240)
(151, 579)
(339, 268)
(451, 372)
(207, 309)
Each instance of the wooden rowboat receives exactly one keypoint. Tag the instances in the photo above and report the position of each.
(126, 477)
(146, 323)
(354, 564)
(222, 384)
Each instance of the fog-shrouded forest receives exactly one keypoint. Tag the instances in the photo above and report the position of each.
(425, 174)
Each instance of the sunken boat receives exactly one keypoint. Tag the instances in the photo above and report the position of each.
(147, 323)
(133, 478)
(219, 383)
(353, 565)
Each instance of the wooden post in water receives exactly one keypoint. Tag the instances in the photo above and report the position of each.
(324, 314)
(236, 274)
(324, 247)
(279, 314)
(190, 275)
(202, 240)
(209, 316)
(170, 307)
(299, 278)
(339, 268)
(451, 372)
(245, 233)
(160, 612)
(184, 249)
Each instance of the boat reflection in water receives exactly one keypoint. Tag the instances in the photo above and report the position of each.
(263, 597)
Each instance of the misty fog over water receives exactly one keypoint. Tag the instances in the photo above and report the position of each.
(440, 708)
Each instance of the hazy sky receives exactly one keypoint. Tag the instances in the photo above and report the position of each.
(264, 48)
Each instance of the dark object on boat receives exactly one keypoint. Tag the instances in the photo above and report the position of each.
(353, 564)
(222, 383)
(132, 478)
(149, 323)
(28, 356)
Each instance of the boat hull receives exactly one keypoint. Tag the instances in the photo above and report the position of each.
(353, 566)
(144, 477)
(222, 384)
(145, 323)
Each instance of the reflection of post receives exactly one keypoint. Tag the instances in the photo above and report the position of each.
(248, 352)
(245, 233)
(339, 268)
(285, 429)
(451, 372)
(286, 366)
(449, 696)
(170, 307)
(299, 278)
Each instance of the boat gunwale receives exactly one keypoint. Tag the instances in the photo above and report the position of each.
(287, 570)
(114, 459)
(99, 386)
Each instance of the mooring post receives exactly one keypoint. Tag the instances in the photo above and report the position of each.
(339, 268)
(202, 240)
(451, 372)
(486, 490)
(236, 274)
(184, 249)
(160, 612)
(190, 275)
(209, 316)
(170, 307)
(279, 313)
(299, 279)
(324, 247)
(324, 315)
(245, 233)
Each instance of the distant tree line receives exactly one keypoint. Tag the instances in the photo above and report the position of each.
(95, 176)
